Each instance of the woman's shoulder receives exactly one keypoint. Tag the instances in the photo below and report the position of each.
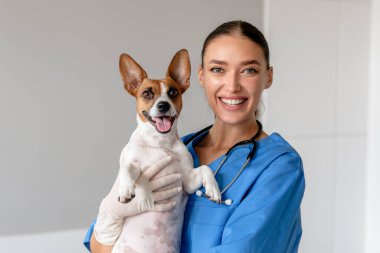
(275, 142)
(274, 148)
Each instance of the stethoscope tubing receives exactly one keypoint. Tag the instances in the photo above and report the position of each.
(247, 161)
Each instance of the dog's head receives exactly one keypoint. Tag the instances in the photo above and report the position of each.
(159, 102)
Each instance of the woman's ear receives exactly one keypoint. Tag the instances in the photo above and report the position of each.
(200, 76)
(270, 78)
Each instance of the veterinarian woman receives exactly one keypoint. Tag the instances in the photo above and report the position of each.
(266, 190)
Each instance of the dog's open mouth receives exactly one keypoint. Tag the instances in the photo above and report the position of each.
(163, 124)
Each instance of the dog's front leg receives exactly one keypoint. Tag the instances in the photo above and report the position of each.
(128, 174)
(203, 175)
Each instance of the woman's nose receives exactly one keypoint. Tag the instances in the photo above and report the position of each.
(232, 82)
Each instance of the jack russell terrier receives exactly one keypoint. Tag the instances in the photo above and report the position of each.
(159, 103)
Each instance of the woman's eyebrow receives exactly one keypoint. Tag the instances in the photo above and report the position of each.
(217, 62)
(250, 62)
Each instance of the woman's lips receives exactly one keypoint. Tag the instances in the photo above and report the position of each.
(232, 101)
(232, 104)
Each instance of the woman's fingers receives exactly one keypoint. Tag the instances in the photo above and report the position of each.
(164, 181)
(155, 168)
(166, 194)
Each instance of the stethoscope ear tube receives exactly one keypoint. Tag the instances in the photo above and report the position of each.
(253, 151)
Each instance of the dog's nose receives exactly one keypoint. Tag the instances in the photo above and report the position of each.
(163, 106)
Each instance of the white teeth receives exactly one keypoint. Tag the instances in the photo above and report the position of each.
(232, 101)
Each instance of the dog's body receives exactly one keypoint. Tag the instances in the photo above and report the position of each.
(159, 103)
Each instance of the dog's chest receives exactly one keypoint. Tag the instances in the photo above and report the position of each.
(146, 156)
(153, 155)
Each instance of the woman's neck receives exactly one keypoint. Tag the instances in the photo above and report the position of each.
(224, 136)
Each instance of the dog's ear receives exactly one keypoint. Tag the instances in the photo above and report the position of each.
(180, 69)
(131, 73)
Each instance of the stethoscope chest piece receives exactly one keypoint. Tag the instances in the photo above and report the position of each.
(227, 202)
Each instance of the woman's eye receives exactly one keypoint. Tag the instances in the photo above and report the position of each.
(216, 70)
(172, 93)
(250, 71)
(148, 94)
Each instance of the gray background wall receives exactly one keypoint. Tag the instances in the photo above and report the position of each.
(64, 113)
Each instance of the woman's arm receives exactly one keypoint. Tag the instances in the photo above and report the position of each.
(97, 247)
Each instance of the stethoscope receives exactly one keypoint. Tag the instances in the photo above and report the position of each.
(249, 157)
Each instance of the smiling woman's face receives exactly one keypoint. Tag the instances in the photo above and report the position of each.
(234, 75)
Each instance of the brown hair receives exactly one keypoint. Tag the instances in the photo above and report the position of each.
(238, 27)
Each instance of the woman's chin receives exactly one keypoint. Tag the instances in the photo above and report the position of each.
(234, 119)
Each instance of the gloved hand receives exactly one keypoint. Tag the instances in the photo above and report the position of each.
(112, 213)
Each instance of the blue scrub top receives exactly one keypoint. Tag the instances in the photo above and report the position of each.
(265, 214)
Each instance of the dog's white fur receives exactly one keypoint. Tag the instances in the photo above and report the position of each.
(158, 231)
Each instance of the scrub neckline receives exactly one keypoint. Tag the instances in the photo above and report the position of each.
(268, 139)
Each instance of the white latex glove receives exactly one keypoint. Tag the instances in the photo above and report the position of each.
(112, 213)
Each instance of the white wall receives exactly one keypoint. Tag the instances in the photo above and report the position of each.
(320, 52)
(373, 176)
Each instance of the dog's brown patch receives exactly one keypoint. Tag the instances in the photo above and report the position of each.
(145, 103)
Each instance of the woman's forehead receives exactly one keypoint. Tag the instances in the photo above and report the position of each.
(233, 47)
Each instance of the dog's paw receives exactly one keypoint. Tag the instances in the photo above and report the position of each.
(212, 191)
(211, 186)
(126, 193)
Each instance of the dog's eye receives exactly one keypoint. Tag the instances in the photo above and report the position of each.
(172, 93)
(148, 94)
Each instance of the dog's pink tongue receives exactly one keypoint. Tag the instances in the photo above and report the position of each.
(163, 124)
